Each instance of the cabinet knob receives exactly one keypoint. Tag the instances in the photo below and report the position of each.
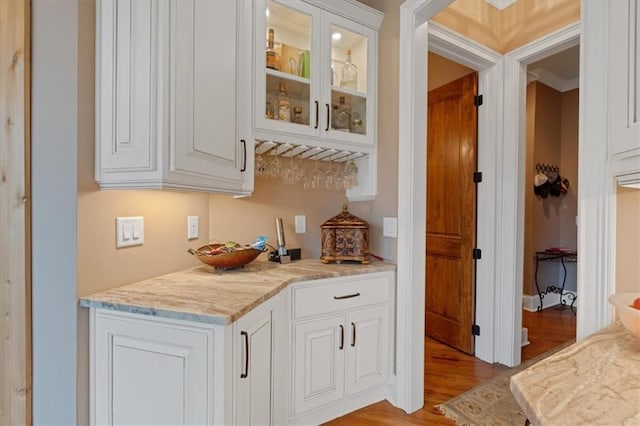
(341, 337)
(317, 114)
(353, 330)
(328, 117)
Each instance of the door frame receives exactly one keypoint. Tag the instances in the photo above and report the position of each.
(596, 202)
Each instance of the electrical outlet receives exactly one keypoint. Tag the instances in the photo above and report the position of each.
(390, 227)
(192, 227)
(301, 224)
(129, 231)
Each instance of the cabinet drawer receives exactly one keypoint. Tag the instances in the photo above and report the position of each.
(334, 295)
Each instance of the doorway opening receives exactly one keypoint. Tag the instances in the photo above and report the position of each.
(551, 200)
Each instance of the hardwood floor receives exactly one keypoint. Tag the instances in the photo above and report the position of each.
(449, 373)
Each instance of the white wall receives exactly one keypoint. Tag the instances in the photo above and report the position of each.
(54, 170)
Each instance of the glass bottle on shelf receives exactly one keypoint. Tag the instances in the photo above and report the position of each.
(356, 124)
(273, 59)
(284, 105)
(343, 118)
(349, 78)
(297, 115)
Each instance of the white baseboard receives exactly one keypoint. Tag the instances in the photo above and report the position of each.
(531, 302)
(525, 336)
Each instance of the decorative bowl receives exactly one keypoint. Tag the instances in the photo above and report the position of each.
(629, 315)
(226, 260)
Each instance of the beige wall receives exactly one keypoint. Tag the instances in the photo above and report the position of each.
(552, 138)
(443, 71)
(515, 26)
(628, 240)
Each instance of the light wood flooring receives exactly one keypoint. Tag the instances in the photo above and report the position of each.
(449, 373)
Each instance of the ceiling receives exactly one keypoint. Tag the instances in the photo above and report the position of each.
(560, 71)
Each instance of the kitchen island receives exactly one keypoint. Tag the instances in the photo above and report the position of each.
(594, 381)
(265, 344)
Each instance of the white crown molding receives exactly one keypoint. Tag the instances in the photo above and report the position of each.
(552, 80)
(501, 4)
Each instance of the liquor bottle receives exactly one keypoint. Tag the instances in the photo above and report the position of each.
(273, 59)
(284, 105)
(343, 118)
(349, 73)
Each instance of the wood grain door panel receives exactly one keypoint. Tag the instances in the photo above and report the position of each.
(451, 213)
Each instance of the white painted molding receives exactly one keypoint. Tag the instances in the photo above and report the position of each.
(458, 48)
(511, 220)
(552, 80)
(596, 201)
(501, 4)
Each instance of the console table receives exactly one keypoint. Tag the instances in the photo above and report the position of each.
(556, 256)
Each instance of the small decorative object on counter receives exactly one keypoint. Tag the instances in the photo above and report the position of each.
(345, 237)
(230, 255)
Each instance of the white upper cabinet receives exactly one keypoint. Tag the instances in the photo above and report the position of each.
(173, 94)
(624, 86)
(315, 73)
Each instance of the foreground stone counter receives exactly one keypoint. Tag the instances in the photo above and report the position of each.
(594, 381)
(205, 294)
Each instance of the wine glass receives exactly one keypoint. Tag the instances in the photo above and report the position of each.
(261, 165)
(316, 176)
(329, 176)
(274, 167)
(290, 172)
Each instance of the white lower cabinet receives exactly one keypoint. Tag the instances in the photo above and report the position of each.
(340, 345)
(149, 371)
(313, 352)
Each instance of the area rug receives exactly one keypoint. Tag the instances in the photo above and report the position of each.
(491, 403)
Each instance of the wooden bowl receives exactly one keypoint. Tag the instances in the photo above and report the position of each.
(235, 259)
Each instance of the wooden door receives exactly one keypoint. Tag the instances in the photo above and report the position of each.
(15, 213)
(451, 213)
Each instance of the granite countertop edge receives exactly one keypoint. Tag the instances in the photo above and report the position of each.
(115, 299)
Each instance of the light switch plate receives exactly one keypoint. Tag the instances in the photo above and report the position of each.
(301, 224)
(390, 227)
(192, 227)
(129, 231)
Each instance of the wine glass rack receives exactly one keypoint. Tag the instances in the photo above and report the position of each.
(306, 152)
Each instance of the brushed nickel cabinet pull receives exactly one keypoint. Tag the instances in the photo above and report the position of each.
(341, 337)
(246, 355)
(353, 329)
(347, 296)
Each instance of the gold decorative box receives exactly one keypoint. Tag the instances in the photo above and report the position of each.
(345, 237)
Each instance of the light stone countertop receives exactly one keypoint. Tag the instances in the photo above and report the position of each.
(593, 382)
(205, 294)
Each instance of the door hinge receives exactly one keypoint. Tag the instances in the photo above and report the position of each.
(475, 329)
(477, 253)
(477, 177)
(477, 100)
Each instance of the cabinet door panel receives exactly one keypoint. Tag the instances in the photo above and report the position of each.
(151, 373)
(125, 77)
(318, 376)
(254, 376)
(140, 394)
(624, 77)
(367, 358)
(203, 140)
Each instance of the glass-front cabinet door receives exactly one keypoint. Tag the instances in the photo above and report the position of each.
(287, 67)
(349, 82)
